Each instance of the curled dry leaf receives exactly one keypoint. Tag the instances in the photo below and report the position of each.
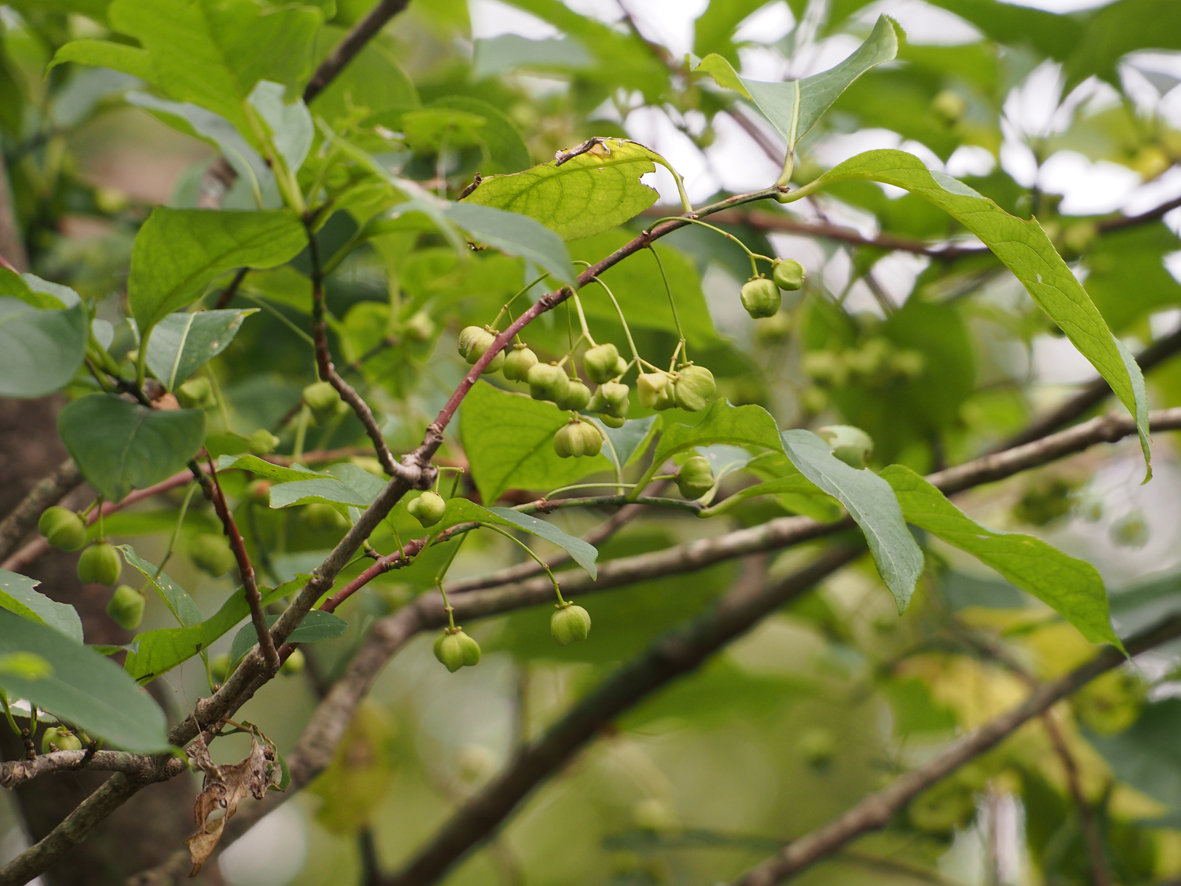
(223, 787)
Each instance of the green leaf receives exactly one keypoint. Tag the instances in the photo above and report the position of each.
(183, 607)
(750, 425)
(591, 192)
(372, 80)
(1024, 248)
(290, 123)
(583, 553)
(794, 107)
(460, 510)
(157, 652)
(1147, 756)
(85, 688)
(183, 343)
(510, 443)
(870, 502)
(344, 484)
(506, 148)
(210, 52)
(316, 627)
(178, 252)
(1071, 587)
(120, 446)
(515, 234)
(509, 52)
(17, 595)
(106, 54)
(40, 350)
(263, 468)
(1117, 29)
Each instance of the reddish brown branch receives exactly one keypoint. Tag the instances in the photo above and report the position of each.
(245, 569)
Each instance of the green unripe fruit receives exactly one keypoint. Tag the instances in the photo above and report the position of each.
(788, 274)
(262, 442)
(100, 563)
(518, 363)
(321, 398)
(60, 739)
(695, 477)
(474, 342)
(816, 746)
(569, 624)
(547, 381)
(293, 664)
(620, 367)
(321, 515)
(948, 107)
(576, 396)
(126, 607)
(219, 667)
(455, 650)
(211, 553)
(851, 445)
(578, 438)
(693, 387)
(610, 398)
(196, 393)
(613, 421)
(259, 491)
(600, 363)
(761, 297)
(428, 508)
(654, 390)
(63, 528)
(419, 326)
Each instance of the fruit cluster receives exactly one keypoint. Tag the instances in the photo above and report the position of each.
(688, 386)
(761, 297)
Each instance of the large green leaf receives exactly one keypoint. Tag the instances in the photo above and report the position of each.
(208, 52)
(750, 426)
(870, 502)
(178, 252)
(120, 446)
(1148, 756)
(1024, 248)
(183, 343)
(1072, 587)
(157, 652)
(343, 484)
(515, 234)
(82, 687)
(460, 510)
(1117, 29)
(17, 595)
(509, 443)
(794, 107)
(183, 607)
(590, 192)
(316, 627)
(40, 350)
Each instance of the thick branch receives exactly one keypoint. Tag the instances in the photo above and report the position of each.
(673, 655)
(876, 810)
(139, 767)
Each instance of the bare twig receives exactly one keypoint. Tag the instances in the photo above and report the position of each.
(245, 569)
(876, 810)
(137, 766)
(324, 365)
(354, 41)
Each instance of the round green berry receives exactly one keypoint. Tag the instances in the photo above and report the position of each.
(695, 477)
(518, 362)
(547, 381)
(576, 397)
(126, 607)
(63, 528)
(455, 649)
(428, 508)
(578, 438)
(761, 297)
(569, 624)
(601, 363)
(693, 387)
(100, 564)
(788, 274)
